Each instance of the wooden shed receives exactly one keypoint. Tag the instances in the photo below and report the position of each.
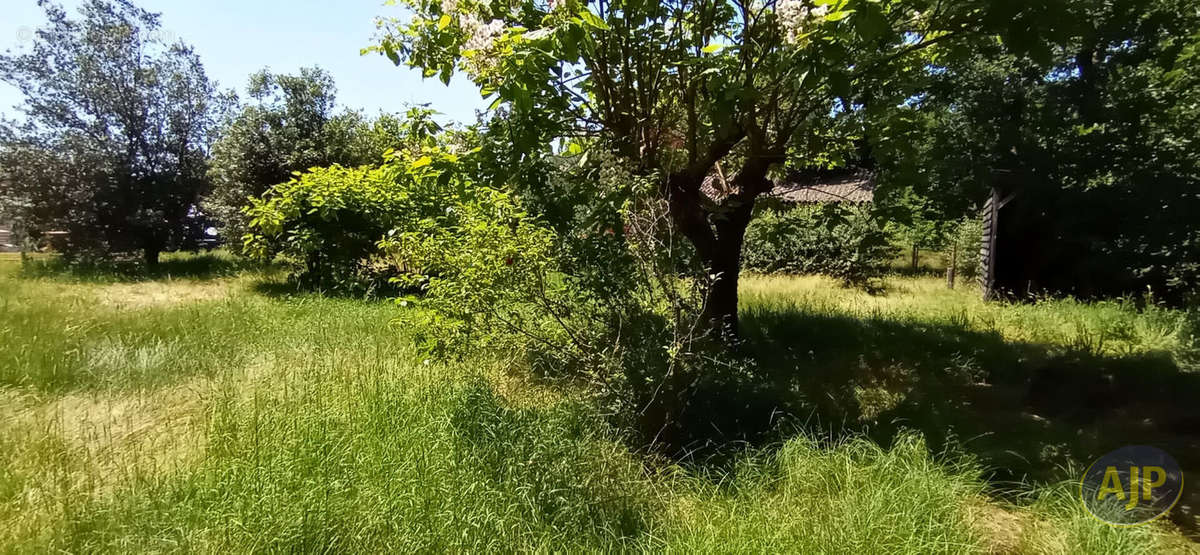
(1040, 239)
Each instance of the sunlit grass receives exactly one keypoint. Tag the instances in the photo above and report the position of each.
(1112, 327)
(213, 418)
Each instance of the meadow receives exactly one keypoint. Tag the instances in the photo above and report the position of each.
(210, 407)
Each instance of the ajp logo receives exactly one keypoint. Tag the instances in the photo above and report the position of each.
(1132, 485)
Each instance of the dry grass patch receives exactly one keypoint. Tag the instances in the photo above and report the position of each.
(1000, 528)
(106, 438)
(133, 296)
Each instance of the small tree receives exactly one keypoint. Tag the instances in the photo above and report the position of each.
(282, 129)
(115, 139)
(290, 126)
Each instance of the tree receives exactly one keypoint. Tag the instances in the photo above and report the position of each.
(290, 126)
(678, 87)
(282, 130)
(114, 144)
(1101, 139)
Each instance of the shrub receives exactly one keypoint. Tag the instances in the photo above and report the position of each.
(964, 236)
(846, 243)
(328, 223)
(602, 305)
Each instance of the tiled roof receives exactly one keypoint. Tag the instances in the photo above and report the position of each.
(857, 187)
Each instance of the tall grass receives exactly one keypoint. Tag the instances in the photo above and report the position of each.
(232, 421)
(1113, 327)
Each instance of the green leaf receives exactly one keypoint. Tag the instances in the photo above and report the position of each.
(593, 20)
(712, 48)
(838, 16)
(443, 22)
(421, 162)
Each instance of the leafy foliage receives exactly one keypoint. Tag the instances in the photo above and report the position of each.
(845, 243)
(290, 126)
(963, 247)
(1097, 139)
(114, 146)
(592, 295)
(328, 222)
(678, 87)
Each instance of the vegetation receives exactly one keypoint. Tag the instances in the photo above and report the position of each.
(1096, 139)
(680, 88)
(118, 164)
(846, 243)
(202, 413)
(534, 332)
(290, 126)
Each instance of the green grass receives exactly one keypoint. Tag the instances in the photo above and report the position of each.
(196, 413)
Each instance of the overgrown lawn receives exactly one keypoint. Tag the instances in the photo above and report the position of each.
(217, 411)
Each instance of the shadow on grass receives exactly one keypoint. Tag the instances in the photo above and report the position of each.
(180, 265)
(1028, 413)
(287, 287)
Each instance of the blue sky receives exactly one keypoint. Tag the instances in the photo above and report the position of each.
(237, 37)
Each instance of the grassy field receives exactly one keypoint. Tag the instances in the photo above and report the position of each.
(209, 408)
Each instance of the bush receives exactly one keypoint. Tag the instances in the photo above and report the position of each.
(328, 223)
(601, 304)
(846, 243)
(965, 236)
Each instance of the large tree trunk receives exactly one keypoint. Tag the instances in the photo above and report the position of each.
(150, 254)
(151, 248)
(725, 263)
(721, 301)
(718, 241)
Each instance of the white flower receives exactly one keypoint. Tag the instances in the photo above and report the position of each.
(481, 41)
(483, 35)
(796, 17)
(449, 6)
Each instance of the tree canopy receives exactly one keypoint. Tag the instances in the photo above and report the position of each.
(289, 125)
(114, 144)
(1101, 140)
(677, 88)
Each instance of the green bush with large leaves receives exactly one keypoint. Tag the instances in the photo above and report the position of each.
(328, 223)
(847, 243)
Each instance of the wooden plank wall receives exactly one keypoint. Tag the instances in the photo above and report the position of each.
(987, 249)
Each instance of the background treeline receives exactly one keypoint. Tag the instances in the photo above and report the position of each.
(1098, 135)
(127, 149)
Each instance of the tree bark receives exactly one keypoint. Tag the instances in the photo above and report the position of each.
(151, 254)
(151, 248)
(725, 264)
(952, 270)
(718, 238)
